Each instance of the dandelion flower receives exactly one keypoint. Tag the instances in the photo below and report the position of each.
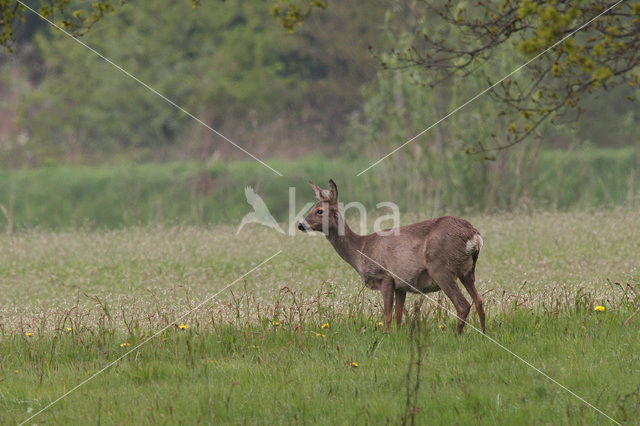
(124, 345)
(275, 323)
(599, 308)
(29, 334)
(379, 324)
(325, 325)
(17, 371)
(354, 365)
(441, 326)
(319, 335)
(183, 326)
(69, 329)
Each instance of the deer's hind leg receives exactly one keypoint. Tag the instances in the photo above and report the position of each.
(469, 282)
(401, 295)
(447, 281)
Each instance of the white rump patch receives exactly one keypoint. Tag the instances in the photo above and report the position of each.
(474, 244)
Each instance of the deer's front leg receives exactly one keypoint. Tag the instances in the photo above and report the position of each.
(386, 287)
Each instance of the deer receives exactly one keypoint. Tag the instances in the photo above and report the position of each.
(423, 257)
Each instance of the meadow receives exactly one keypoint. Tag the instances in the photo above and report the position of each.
(299, 341)
(128, 297)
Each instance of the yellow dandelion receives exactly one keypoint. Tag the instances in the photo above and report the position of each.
(29, 334)
(183, 326)
(69, 329)
(325, 325)
(354, 365)
(17, 371)
(599, 308)
(441, 326)
(256, 347)
(379, 324)
(319, 335)
(124, 345)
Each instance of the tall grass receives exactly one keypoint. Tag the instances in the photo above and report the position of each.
(190, 193)
(349, 373)
(145, 277)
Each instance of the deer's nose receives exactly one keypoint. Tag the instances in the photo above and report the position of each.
(302, 227)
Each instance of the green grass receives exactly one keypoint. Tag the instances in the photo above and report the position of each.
(263, 374)
(541, 276)
(189, 193)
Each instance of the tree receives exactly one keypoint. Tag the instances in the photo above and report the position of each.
(601, 55)
(78, 17)
(270, 91)
(291, 13)
(75, 17)
(221, 63)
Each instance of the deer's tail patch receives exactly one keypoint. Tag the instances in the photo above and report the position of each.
(474, 245)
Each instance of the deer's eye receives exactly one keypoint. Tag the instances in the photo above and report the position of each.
(319, 211)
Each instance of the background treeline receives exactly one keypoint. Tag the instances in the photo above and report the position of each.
(82, 143)
(228, 63)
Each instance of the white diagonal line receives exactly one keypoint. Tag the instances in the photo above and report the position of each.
(492, 86)
(146, 86)
(497, 343)
(149, 338)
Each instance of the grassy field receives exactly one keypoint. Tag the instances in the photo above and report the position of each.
(74, 301)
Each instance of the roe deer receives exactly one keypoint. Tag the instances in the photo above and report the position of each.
(423, 257)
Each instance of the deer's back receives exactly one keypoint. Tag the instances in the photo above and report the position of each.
(446, 242)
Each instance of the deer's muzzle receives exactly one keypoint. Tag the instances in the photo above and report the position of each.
(303, 227)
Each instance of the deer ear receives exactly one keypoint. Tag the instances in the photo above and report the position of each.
(333, 192)
(321, 194)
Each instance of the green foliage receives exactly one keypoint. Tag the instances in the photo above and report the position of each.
(290, 14)
(10, 11)
(116, 196)
(455, 40)
(76, 17)
(206, 59)
(226, 64)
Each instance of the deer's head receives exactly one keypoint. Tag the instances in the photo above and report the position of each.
(325, 214)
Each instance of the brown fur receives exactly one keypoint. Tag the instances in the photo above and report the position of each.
(422, 257)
